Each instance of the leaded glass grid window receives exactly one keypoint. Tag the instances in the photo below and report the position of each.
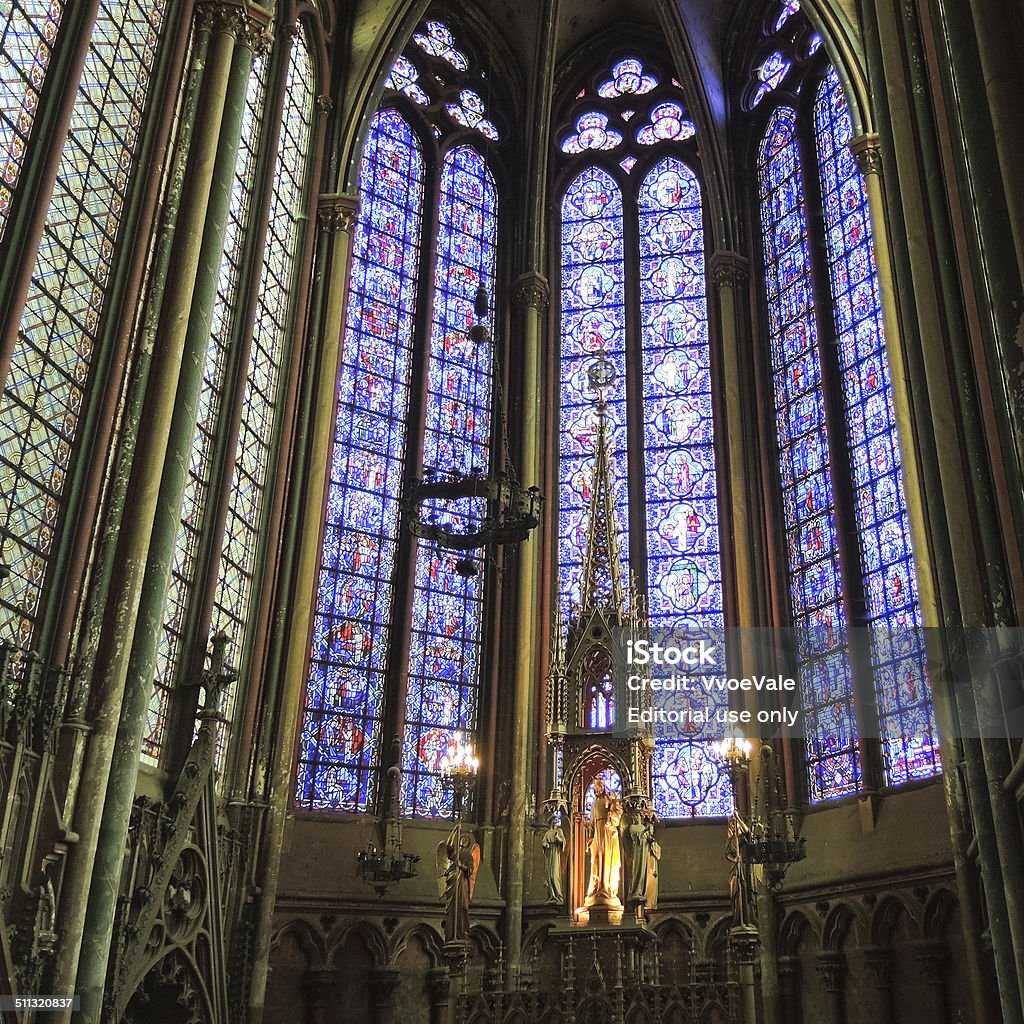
(403, 327)
(49, 374)
(839, 463)
(633, 287)
(28, 32)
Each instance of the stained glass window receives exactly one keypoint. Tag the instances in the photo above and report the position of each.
(833, 755)
(444, 663)
(340, 739)
(789, 8)
(469, 112)
(439, 42)
(600, 692)
(43, 397)
(903, 692)
(684, 577)
(593, 320)
(404, 77)
(28, 31)
(354, 674)
(667, 122)
(628, 78)
(664, 339)
(197, 481)
(771, 73)
(592, 132)
(261, 393)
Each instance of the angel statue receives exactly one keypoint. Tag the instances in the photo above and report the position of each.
(458, 860)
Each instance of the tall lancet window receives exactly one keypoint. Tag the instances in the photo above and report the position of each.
(868, 710)
(633, 289)
(398, 635)
(48, 384)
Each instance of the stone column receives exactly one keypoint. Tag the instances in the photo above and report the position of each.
(235, 33)
(744, 943)
(320, 982)
(439, 991)
(530, 294)
(879, 961)
(729, 272)
(932, 957)
(336, 218)
(867, 152)
(789, 974)
(383, 983)
(135, 535)
(832, 966)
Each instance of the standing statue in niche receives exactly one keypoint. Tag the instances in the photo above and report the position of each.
(605, 851)
(553, 845)
(458, 861)
(643, 875)
(741, 880)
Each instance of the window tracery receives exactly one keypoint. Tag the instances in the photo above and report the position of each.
(47, 384)
(28, 33)
(352, 685)
(842, 465)
(643, 304)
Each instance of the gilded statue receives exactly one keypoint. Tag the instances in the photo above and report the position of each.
(605, 850)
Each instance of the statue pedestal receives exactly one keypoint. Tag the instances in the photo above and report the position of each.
(599, 914)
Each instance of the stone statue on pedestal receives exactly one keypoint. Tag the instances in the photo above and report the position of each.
(646, 852)
(458, 860)
(553, 845)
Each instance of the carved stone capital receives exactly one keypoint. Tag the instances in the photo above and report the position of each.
(729, 269)
(832, 967)
(324, 104)
(256, 34)
(222, 17)
(867, 151)
(337, 212)
(880, 964)
(744, 941)
(456, 955)
(531, 289)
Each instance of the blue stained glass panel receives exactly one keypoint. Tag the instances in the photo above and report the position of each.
(45, 388)
(902, 688)
(445, 656)
(593, 320)
(684, 572)
(816, 590)
(340, 735)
